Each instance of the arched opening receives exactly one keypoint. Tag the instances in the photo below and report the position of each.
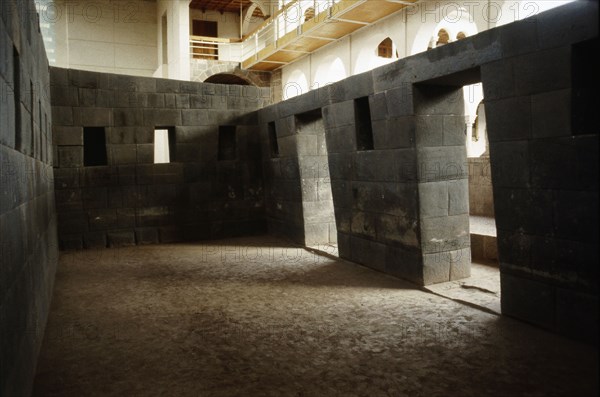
(309, 14)
(386, 49)
(227, 78)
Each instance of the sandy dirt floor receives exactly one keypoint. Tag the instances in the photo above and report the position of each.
(258, 317)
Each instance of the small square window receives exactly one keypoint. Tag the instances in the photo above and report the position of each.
(94, 146)
(227, 144)
(164, 145)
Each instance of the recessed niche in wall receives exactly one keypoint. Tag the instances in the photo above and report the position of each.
(227, 146)
(364, 130)
(17, 97)
(273, 140)
(584, 98)
(94, 146)
(164, 145)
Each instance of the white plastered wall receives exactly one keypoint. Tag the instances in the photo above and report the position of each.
(178, 39)
(104, 35)
(411, 31)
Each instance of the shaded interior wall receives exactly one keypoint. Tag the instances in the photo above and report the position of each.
(28, 247)
(283, 188)
(481, 196)
(131, 200)
(544, 159)
(442, 181)
(544, 169)
(317, 200)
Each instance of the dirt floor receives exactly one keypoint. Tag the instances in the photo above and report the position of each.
(257, 317)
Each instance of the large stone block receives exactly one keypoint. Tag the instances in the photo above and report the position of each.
(102, 219)
(394, 133)
(146, 235)
(433, 199)
(543, 71)
(122, 154)
(339, 114)
(128, 117)
(442, 163)
(583, 24)
(385, 165)
(436, 268)
(94, 197)
(70, 156)
(64, 95)
(575, 215)
(121, 239)
(429, 130)
(193, 117)
(498, 79)
(433, 100)
(62, 115)
(577, 315)
(368, 253)
(528, 210)
(519, 38)
(404, 263)
(397, 230)
(444, 234)
(92, 117)
(378, 106)
(553, 163)
(67, 136)
(510, 163)
(164, 117)
(551, 114)
(341, 139)
(528, 300)
(93, 240)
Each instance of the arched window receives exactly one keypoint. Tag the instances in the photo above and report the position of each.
(386, 48)
(461, 35)
(443, 38)
(309, 14)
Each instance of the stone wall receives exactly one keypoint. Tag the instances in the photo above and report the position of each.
(481, 197)
(401, 202)
(28, 247)
(131, 200)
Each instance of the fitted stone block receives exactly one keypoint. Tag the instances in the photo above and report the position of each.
(551, 114)
(574, 308)
(368, 253)
(543, 71)
(67, 136)
(92, 117)
(122, 154)
(70, 156)
(163, 117)
(398, 132)
(146, 236)
(442, 163)
(499, 79)
(528, 299)
(94, 240)
(193, 117)
(121, 239)
(445, 233)
(339, 114)
(510, 163)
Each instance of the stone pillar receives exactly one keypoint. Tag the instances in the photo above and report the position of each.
(442, 175)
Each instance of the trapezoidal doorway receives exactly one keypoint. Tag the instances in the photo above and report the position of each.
(317, 201)
(444, 112)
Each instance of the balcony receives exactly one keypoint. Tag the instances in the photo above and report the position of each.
(302, 27)
(297, 29)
